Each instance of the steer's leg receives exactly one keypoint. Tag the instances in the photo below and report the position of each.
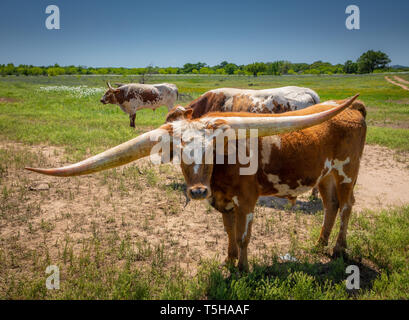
(132, 119)
(244, 214)
(244, 222)
(346, 201)
(314, 193)
(232, 252)
(327, 188)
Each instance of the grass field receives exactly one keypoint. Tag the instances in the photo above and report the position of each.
(64, 119)
(101, 256)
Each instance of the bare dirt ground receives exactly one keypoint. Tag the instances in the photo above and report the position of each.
(145, 205)
(383, 179)
(401, 80)
(7, 100)
(397, 83)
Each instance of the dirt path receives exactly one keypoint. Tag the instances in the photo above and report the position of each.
(383, 179)
(397, 83)
(401, 80)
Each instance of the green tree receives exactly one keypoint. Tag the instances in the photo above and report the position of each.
(350, 67)
(102, 71)
(206, 70)
(256, 67)
(284, 66)
(189, 67)
(274, 67)
(230, 68)
(9, 69)
(372, 60)
(240, 72)
(55, 71)
(221, 65)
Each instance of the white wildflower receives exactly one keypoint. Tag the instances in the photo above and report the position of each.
(79, 91)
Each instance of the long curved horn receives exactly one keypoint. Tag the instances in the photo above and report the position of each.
(109, 86)
(268, 125)
(126, 152)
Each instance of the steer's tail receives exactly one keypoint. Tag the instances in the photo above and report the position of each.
(315, 97)
(360, 106)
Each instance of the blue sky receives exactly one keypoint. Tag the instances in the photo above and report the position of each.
(173, 32)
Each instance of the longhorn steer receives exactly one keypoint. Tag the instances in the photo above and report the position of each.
(134, 96)
(325, 152)
(275, 100)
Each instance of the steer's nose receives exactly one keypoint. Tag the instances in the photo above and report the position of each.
(198, 193)
(101, 100)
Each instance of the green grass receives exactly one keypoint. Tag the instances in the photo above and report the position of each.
(82, 124)
(404, 76)
(379, 238)
(389, 137)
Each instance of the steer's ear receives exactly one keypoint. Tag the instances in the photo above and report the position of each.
(179, 113)
(188, 114)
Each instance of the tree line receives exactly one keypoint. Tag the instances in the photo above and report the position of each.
(369, 62)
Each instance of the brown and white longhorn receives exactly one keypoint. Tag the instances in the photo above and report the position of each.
(134, 96)
(320, 145)
(273, 100)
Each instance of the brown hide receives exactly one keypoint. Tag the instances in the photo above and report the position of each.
(299, 160)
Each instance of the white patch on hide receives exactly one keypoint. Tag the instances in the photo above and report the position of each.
(266, 149)
(229, 206)
(236, 201)
(249, 218)
(284, 189)
(196, 168)
(337, 165)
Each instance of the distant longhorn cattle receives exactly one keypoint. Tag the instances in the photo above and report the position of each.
(326, 151)
(275, 100)
(134, 96)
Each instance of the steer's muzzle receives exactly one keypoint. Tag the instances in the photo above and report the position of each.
(102, 101)
(198, 193)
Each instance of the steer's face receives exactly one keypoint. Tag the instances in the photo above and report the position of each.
(109, 97)
(197, 177)
(196, 149)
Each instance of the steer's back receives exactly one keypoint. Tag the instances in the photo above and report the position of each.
(276, 100)
(168, 92)
(291, 164)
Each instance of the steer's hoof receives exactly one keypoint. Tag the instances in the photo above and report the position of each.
(243, 268)
(339, 252)
(319, 246)
(321, 243)
(228, 264)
